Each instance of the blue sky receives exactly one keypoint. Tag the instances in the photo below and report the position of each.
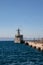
(25, 14)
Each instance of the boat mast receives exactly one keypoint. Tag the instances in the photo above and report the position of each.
(18, 31)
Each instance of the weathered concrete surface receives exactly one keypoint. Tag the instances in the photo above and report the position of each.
(35, 45)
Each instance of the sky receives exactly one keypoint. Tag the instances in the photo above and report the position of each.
(24, 14)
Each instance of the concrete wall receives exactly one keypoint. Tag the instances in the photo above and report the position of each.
(35, 45)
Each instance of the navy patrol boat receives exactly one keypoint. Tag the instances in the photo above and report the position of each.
(19, 37)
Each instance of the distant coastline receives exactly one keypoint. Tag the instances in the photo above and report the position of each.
(6, 39)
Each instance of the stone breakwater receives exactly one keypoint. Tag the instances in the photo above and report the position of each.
(36, 45)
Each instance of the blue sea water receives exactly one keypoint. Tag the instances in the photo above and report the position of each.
(19, 54)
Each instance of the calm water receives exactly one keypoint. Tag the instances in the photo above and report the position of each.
(19, 54)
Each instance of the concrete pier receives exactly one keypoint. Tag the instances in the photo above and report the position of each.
(36, 45)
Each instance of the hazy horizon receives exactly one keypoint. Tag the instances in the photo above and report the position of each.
(13, 38)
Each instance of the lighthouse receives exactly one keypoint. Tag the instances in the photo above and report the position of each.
(19, 37)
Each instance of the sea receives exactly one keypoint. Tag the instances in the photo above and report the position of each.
(19, 54)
